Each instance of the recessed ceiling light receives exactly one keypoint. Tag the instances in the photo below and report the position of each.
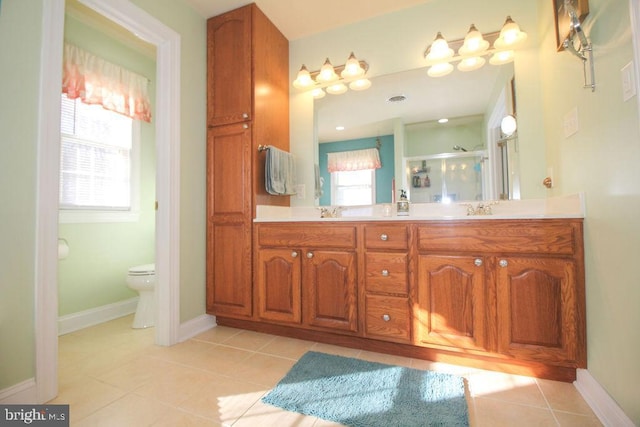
(397, 98)
(443, 120)
(339, 127)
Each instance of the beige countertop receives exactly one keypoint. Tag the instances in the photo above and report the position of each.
(556, 207)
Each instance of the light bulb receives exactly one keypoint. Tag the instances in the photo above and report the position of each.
(352, 68)
(303, 79)
(327, 73)
(440, 70)
(439, 49)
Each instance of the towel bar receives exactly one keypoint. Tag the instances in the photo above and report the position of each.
(262, 148)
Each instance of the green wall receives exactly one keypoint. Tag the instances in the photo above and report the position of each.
(384, 175)
(434, 138)
(20, 42)
(179, 16)
(601, 160)
(94, 273)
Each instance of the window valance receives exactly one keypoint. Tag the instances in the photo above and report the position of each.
(96, 81)
(354, 160)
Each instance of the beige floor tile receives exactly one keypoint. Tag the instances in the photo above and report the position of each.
(564, 397)
(510, 388)
(177, 385)
(184, 352)
(223, 400)
(287, 347)
(388, 359)
(264, 369)
(86, 396)
(178, 418)
(499, 413)
(336, 350)
(261, 414)
(136, 373)
(128, 411)
(220, 359)
(249, 340)
(567, 419)
(218, 334)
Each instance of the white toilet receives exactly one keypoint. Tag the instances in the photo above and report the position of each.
(142, 279)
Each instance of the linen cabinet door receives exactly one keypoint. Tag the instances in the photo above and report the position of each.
(330, 289)
(538, 309)
(451, 302)
(278, 274)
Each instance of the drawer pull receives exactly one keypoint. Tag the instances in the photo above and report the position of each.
(245, 126)
(294, 254)
(478, 262)
(384, 237)
(309, 255)
(385, 273)
(245, 115)
(386, 317)
(503, 263)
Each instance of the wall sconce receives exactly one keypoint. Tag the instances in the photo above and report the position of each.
(585, 49)
(473, 49)
(334, 80)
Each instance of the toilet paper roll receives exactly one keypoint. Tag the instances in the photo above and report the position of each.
(63, 249)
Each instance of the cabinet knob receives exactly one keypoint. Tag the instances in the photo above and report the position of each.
(309, 255)
(385, 272)
(386, 317)
(245, 115)
(478, 262)
(294, 254)
(245, 126)
(503, 263)
(384, 237)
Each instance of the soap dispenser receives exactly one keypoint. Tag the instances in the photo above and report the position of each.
(403, 204)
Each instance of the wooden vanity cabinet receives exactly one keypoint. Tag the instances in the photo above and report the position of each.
(519, 293)
(247, 105)
(307, 275)
(452, 307)
(386, 307)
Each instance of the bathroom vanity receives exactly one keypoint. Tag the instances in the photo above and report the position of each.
(503, 291)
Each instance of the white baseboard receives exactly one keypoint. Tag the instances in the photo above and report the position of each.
(83, 319)
(195, 326)
(603, 405)
(24, 392)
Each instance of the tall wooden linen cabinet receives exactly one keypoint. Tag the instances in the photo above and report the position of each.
(247, 106)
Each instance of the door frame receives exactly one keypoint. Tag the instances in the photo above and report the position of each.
(167, 124)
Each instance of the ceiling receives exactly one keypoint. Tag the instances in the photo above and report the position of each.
(301, 18)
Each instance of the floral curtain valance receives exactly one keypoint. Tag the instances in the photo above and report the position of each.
(354, 160)
(96, 81)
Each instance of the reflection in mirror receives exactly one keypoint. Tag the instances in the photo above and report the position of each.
(474, 102)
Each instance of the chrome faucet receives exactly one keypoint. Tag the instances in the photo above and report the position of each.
(480, 209)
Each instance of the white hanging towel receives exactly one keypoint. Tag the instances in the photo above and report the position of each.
(279, 172)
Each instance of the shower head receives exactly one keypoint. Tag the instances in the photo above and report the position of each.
(458, 148)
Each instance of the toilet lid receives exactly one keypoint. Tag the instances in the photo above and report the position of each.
(143, 270)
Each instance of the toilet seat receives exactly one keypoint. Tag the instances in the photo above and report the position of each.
(143, 270)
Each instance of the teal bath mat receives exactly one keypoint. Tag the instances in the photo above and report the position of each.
(367, 394)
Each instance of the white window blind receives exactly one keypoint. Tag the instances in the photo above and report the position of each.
(353, 188)
(95, 162)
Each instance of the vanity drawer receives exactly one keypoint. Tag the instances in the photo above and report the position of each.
(388, 318)
(308, 235)
(386, 272)
(386, 236)
(530, 236)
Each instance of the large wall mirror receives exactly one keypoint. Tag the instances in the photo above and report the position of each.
(458, 160)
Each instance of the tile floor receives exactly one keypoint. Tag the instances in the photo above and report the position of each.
(112, 375)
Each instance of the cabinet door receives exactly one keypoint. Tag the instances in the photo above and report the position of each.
(229, 85)
(537, 309)
(329, 289)
(229, 221)
(451, 301)
(278, 276)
